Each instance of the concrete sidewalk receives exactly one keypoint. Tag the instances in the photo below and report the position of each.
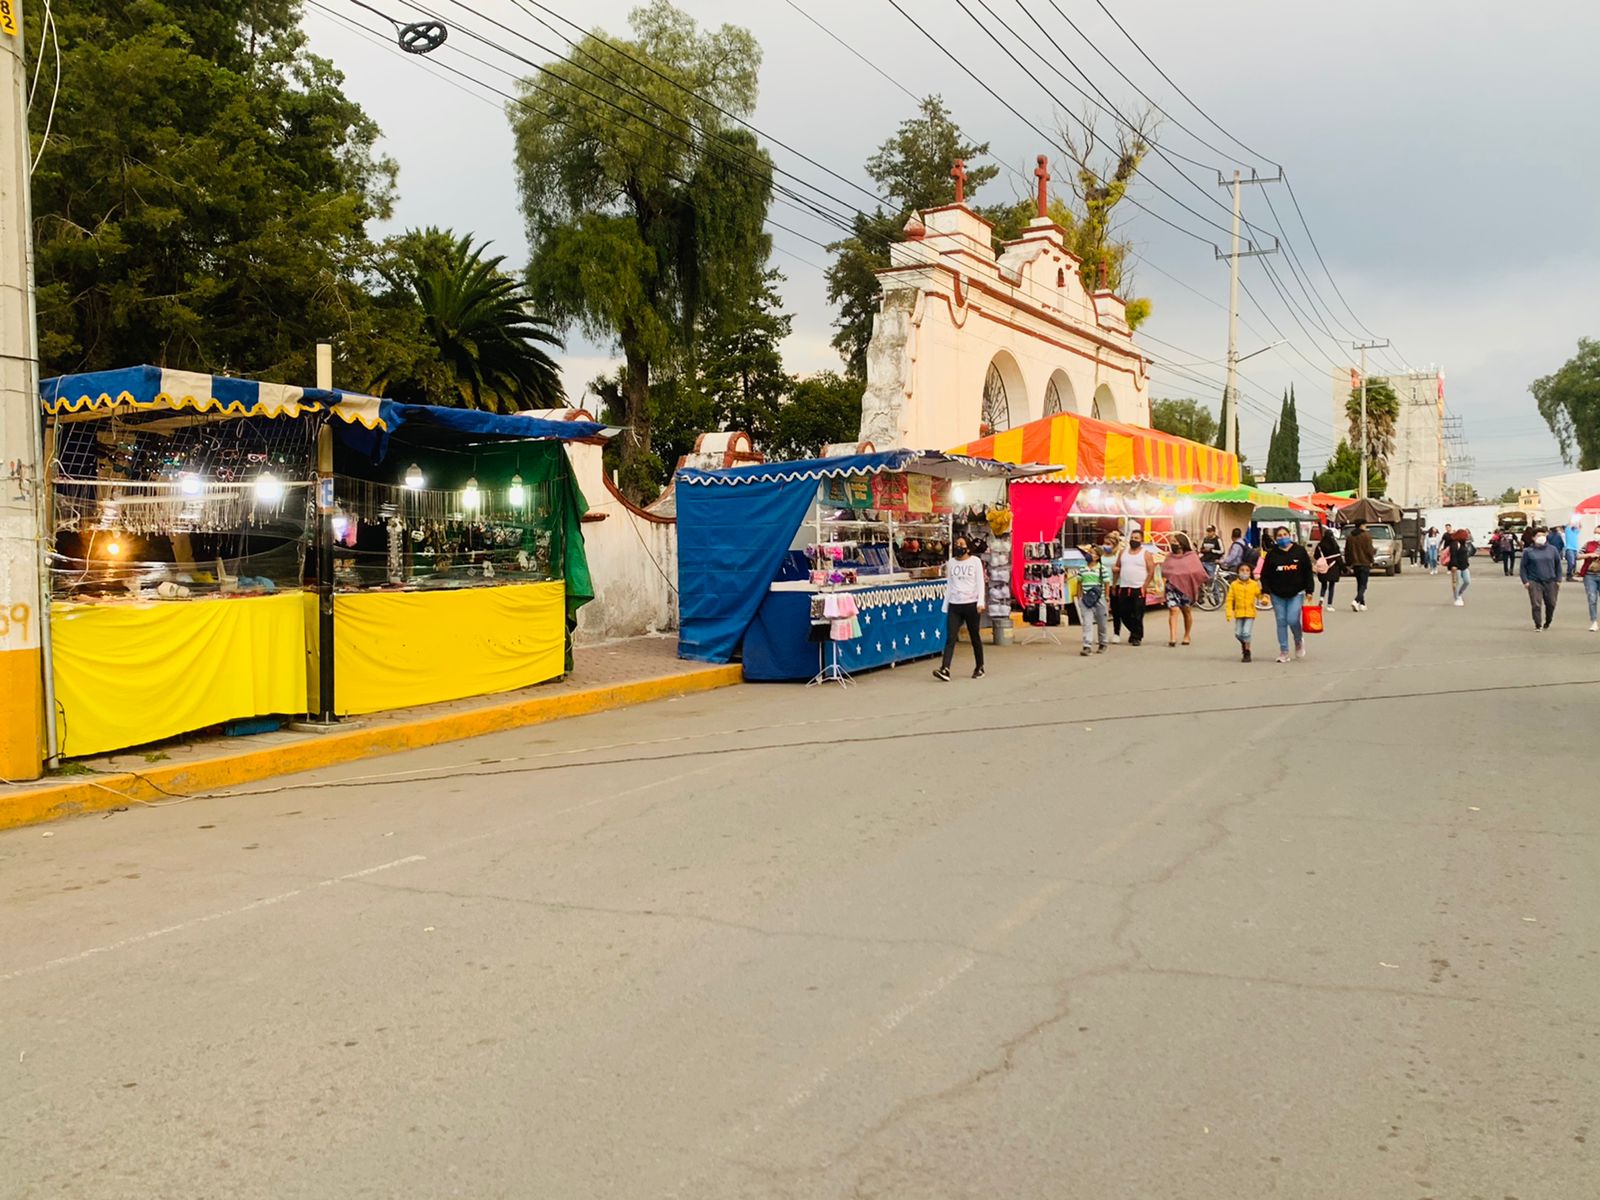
(612, 675)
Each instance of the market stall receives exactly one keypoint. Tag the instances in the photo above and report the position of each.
(1108, 476)
(183, 517)
(820, 568)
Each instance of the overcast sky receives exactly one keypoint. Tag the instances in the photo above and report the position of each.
(1444, 151)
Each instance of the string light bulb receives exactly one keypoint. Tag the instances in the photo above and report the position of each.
(114, 549)
(189, 483)
(470, 497)
(414, 478)
(269, 489)
(519, 494)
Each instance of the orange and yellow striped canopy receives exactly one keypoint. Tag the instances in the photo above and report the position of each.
(1090, 451)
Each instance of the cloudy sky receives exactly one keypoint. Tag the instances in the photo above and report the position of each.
(1444, 152)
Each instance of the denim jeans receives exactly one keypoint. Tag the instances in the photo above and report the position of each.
(1362, 574)
(1433, 557)
(1591, 592)
(1243, 627)
(1287, 611)
(1572, 562)
(1093, 620)
(1463, 580)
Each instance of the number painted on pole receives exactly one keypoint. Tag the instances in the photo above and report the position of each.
(8, 17)
(15, 619)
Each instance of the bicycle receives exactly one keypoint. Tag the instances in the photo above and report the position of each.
(1216, 589)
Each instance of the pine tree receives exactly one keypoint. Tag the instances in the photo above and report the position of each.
(1290, 436)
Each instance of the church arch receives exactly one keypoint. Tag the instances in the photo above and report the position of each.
(1058, 395)
(1005, 402)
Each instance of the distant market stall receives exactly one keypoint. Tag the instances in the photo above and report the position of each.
(1106, 475)
(184, 518)
(819, 568)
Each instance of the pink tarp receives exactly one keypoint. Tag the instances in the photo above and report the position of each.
(1037, 513)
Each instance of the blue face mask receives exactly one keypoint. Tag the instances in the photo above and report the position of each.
(1285, 543)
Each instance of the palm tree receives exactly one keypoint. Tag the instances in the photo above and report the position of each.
(479, 319)
(1383, 418)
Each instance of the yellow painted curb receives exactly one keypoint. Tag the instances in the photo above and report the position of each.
(54, 799)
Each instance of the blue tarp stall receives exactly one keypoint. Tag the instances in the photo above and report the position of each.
(735, 527)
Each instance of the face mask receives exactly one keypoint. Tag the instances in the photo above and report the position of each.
(1285, 543)
(961, 551)
(1538, 539)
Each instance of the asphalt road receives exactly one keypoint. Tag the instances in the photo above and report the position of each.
(1148, 925)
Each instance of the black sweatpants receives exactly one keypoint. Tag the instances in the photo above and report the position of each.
(962, 615)
(1130, 602)
(1542, 595)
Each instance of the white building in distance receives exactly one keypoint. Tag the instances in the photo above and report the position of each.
(1416, 476)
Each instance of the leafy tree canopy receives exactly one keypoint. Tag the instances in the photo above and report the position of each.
(1184, 418)
(203, 198)
(912, 170)
(642, 202)
(1569, 402)
(1383, 417)
(1343, 471)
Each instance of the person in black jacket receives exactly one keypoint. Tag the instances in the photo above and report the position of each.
(1287, 577)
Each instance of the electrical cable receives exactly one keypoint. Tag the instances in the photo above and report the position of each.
(50, 119)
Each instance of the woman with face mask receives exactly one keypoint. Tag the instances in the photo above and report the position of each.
(1589, 571)
(1129, 573)
(1288, 578)
(964, 599)
(1541, 571)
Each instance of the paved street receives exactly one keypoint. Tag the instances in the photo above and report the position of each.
(1150, 925)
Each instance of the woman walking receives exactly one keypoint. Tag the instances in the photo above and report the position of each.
(1287, 577)
(1459, 559)
(1329, 565)
(1589, 571)
(1185, 575)
(1432, 548)
(964, 600)
(1130, 571)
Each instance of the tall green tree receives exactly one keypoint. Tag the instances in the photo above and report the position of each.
(1569, 402)
(823, 408)
(478, 323)
(1283, 451)
(739, 364)
(912, 170)
(203, 199)
(1343, 471)
(644, 205)
(1185, 418)
(1383, 417)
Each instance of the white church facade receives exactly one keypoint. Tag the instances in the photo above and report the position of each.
(969, 342)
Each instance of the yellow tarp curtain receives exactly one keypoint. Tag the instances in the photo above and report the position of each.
(399, 649)
(126, 674)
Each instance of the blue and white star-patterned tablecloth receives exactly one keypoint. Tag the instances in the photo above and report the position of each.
(899, 622)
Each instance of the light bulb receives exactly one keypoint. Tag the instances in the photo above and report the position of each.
(269, 489)
(519, 494)
(114, 549)
(189, 483)
(469, 494)
(341, 526)
(414, 479)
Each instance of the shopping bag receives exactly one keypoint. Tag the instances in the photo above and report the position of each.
(1311, 618)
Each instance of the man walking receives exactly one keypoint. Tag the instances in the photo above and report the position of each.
(1211, 551)
(1542, 568)
(1359, 555)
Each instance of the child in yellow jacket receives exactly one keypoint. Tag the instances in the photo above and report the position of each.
(1240, 607)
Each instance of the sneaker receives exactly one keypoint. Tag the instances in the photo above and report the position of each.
(1299, 651)
(1116, 639)
(1460, 603)
(1101, 649)
(1283, 658)
(1594, 626)
(1085, 652)
(1354, 607)
(1547, 623)
(978, 674)
(942, 674)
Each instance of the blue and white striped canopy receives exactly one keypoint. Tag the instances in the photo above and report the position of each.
(149, 389)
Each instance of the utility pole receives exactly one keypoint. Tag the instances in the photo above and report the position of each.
(1230, 396)
(22, 737)
(1361, 487)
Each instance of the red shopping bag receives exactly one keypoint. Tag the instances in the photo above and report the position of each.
(1311, 618)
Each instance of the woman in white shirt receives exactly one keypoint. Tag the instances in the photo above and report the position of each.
(964, 600)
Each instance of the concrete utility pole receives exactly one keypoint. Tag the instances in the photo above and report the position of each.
(1361, 487)
(1230, 395)
(21, 611)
